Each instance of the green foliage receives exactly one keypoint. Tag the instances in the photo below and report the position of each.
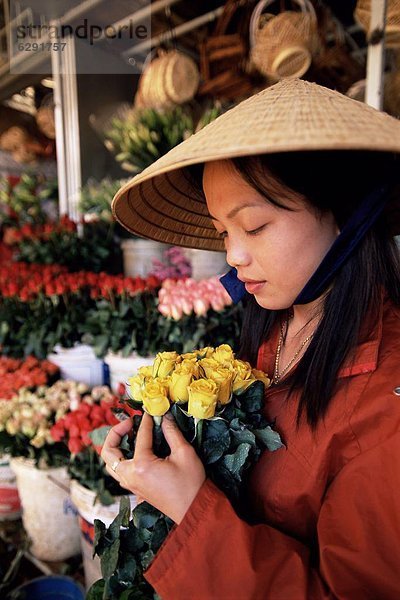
(145, 135)
(25, 202)
(227, 445)
(95, 251)
(35, 327)
(128, 324)
(96, 198)
(212, 329)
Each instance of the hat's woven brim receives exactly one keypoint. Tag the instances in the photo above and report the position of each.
(161, 203)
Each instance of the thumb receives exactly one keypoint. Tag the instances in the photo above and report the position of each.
(172, 433)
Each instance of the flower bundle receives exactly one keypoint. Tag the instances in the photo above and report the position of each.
(197, 313)
(28, 373)
(41, 306)
(38, 232)
(217, 402)
(26, 421)
(184, 297)
(175, 265)
(79, 429)
(27, 200)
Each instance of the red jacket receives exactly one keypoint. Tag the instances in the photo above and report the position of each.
(329, 503)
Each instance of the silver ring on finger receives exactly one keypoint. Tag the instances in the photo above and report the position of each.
(116, 463)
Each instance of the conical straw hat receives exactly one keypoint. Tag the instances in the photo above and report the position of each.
(161, 203)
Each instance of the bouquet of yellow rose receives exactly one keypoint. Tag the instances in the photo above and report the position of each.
(217, 403)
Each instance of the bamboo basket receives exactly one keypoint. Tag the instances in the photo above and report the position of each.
(170, 79)
(285, 44)
(362, 15)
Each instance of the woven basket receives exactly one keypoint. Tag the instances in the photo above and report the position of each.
(45, 121)
(285, 44)
(362, 15)
(170, 79)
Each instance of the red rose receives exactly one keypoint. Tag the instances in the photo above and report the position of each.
(75, 445)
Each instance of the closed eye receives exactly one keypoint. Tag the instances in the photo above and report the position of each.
(256, 231)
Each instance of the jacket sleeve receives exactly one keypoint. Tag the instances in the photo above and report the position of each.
(214, 555)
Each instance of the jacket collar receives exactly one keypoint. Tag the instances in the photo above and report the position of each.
(364, 359)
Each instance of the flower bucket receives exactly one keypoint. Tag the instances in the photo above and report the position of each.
(138, 256)
(48, 515)
(10, 503)
(121, 368)
(89, 510)
(50, 587)
(79, 364)
(206, 263)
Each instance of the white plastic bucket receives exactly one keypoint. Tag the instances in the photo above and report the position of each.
(48, 514)
(84, 500)
(79, 364)
(10, 503)
(123, 367)
(206, 263)
(138, 256)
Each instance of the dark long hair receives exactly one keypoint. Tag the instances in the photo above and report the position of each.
(336, 182)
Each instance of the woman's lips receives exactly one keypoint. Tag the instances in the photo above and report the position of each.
(254, 286)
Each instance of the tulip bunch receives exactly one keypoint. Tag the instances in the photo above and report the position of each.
(26, 421)
(202, 382)
(184, 297)
(28, 373)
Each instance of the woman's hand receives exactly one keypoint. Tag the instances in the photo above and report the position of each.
(170, 484)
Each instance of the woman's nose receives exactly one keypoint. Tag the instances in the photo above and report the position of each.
(236, 255)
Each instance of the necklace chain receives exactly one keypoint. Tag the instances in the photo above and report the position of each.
(278, 375)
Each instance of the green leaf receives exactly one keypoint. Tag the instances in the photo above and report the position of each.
(127, 569)
(109, 559)
(99, 435)
(270, 438)
(216, 441)
(96, 591)
(99, 531)
(144, 515)
(252, 399)
(235, 462)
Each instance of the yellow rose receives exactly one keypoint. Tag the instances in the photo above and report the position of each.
(146, 371)
(261, 376)
(180, 380)
(202, 398)
(155, 399)
(136, 385)
(223, 354)
(206, 352)
(164, 363)
(192, 356)
(208, 365)
(243, 377)
(223, 376)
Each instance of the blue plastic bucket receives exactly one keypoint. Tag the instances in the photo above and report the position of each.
(51, 587)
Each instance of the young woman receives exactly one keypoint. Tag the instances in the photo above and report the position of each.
(298, 185)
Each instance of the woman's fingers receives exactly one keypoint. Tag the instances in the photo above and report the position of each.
(144, 438)
(111, 452)
(172, 434)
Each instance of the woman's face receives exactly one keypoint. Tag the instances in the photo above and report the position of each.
(274, 250)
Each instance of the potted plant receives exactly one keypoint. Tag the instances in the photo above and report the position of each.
(40, 465)
(95, 494)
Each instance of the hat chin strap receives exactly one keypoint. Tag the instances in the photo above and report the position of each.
(344, 245)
